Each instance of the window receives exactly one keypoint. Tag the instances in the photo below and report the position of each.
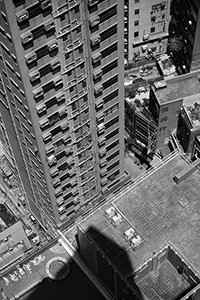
(110, 66)
(136, 23)
(152, 30)
(14, 58)
(136, 34)
(4, 17)
(5, 49)
(108, 33)
(14, 83)
(137, 11)
(111, 146)
(9, 38)
(10, 67)
(109, 13)
(137, 1)
(112, 155)
(153, 19)
(113, 165)
(109, 50)
(112, 122)
(110, 82)
(18, 99)
(110, 96)
(2, 31)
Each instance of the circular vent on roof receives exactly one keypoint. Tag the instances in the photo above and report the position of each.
(57, 268)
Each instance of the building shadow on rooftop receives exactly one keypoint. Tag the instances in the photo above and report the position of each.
(106, 258)
(110, 261)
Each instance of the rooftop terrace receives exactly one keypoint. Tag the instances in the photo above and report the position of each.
(179, 87)
(159, 210)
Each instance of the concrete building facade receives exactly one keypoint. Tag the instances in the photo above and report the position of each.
(147, 25)
(61, 100)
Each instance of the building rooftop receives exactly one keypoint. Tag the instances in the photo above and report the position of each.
(30, 272)
(178, 88)
(159, 210)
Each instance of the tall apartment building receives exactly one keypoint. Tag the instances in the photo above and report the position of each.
(146, 27)
(185, 24)
(62, 101)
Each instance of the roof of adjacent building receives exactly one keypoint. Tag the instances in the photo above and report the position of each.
(178, 88)
(159, 210)
(20, 279)
(13, 244)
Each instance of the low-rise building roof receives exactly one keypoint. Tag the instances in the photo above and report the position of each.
(178, 88)
(159, 210)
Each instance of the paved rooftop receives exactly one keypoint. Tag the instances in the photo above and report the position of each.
(179, 87)
(160, 210)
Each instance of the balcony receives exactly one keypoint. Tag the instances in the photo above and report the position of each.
(65, 8)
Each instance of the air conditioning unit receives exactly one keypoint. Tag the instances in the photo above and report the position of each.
(110, 212)
(77, 43)
(51, 160)
(41, 108)
(128, 234)
(57, 81)
(34, 75)
(54, 172)
(103, 172)
(116, 220)
(98, 89)
(99, 104)
(97, 73)
(49, 149)
(100, 128)
(102, 152)
(104, 190)
(74, 23)
(47, 137)
(145, 37)
(65, 29)
(102, 163)
(45, 4)
(136, 241)
(22, 16)
(60, 97)
(44, 123)
(92, 2)
(62, 111)
(55, 63)
(56, 182)
(61, 210)
(101, 141)
(104, 181)
(69, 47)
(96, 57)
(60, 201)
(96, 39)
(48, 25)
(58, 192)
(64, 125)
(26, 37)
(100, 118)
(94, 20)
(52, 45)
(72, 3)
(38, 93)
(30, 57)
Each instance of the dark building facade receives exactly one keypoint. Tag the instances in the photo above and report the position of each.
(185, 24)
